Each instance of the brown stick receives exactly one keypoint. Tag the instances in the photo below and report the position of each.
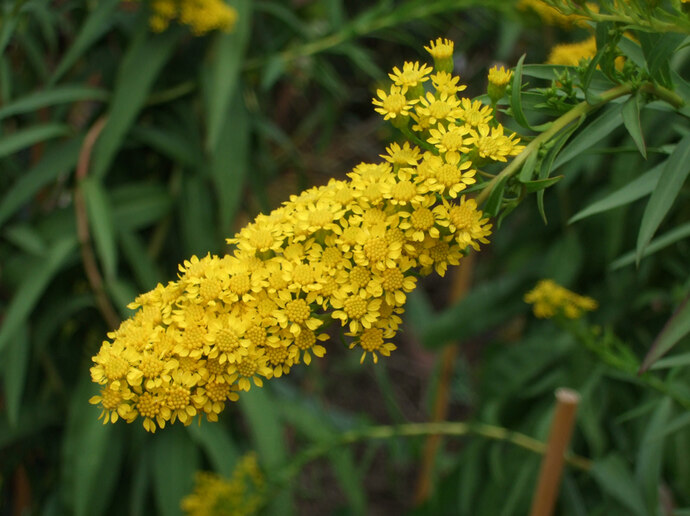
(87, 254)
(461, 284)
(551, 471)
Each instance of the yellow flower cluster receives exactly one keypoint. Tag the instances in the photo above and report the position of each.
(202, 16)
(548, 299)
(570, 54)
(349, 252)
(241, 495)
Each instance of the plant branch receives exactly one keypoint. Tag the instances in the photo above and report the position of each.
(88, 258)
(559, 124)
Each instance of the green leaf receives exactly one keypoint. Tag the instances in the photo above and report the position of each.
(658, 48)
(493, 203)
(315, 426)
(665, 240)
(484, 307)
(175, 460)
(527, 170)
(57, 160)
(38, 276)
(542, 184)
(28, 137)
(675, 329)
(614, 478)
(88, 478)
(634, 190)
(197, 222)
(138, 205)
(26, 238)
(224, 68)
(140, 66)
(683, 359)
(97, 23)
(144, 268)
(516, 94)
(219, 447)
(15, 362)
(230, 162)
(650, 455)
(266, 430)
(594, 132)
(631, 120)
(50, 97)
(101, 222)
(669, 186)
(173, 144)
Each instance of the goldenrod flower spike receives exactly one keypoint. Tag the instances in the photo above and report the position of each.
(550, 299)
(349, 252)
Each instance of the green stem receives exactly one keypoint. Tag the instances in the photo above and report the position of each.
(559, 124)
(420, 429)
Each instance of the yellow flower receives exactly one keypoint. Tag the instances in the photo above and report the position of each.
(474, 113)
(446, 83)
(393, 104)
(441, 51)
(571, 54)
(433, 110)
(498, 82)
(373, 340)
(549, 299)
(449, 139)
(242, 494)
(410, 76)
(491, 143)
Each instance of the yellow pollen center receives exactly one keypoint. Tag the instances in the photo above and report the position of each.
(297, 310)
(240, 283)
(177, 398)
(247, 367)
(110, 399)
(460, 216)
(217, 391)
(148, 406)
(376, 249)
(360, 276)
(261, 239)
(448, 175)
(151, 366)
(403, 191)
(320, 218)
(227, 340)
(303, 274)
(210, 289)
(422, 218)
(371, 339)
(193, 337)
(116, 367)
(277, 355)
(395, 103)
(355, 307)
(439, 109)
(392, 279)
(305, 339)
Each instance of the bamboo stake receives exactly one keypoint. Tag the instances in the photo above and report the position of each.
(551, 471)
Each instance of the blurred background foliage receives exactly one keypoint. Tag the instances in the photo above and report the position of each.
(125, 151)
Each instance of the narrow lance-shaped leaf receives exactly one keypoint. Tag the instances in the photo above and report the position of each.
(28, 137)
(50, 97)
(225, 64)
(631, 120)
(15, 361)
(591, 134)
(57, 160)
(143, 61)
(635, 189)
(31, 288)
(677, 327)
(97, 23)
(665, 240)
(101, 222)
(672, 178)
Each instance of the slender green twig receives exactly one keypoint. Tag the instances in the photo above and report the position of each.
(559, 124)
(420, 429)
